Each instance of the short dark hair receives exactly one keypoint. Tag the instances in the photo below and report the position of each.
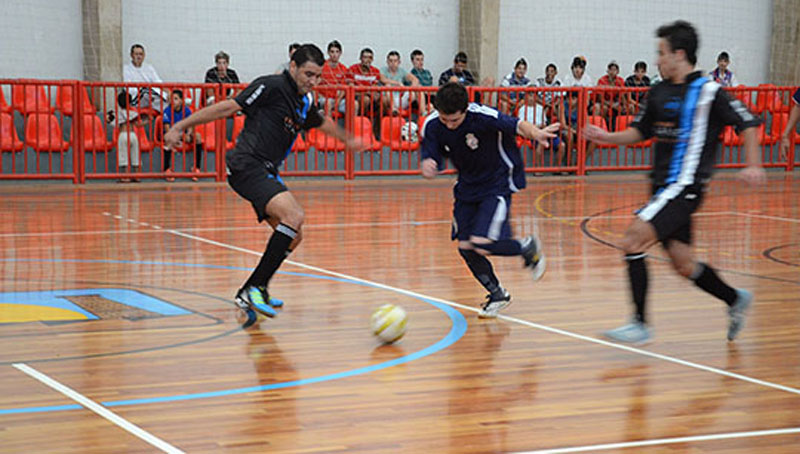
(551, 65)
(393, 52)
(416, 52)
(612, 63)
(365, 50)
(137, 45)
(460, 57)
(640, 65)
(723, 56)
(681, 35)
(522, 62)
(578, 61)
(178, 92)
(334, 45)
(451, 98)
(221, 55)
(306, 53)
(294, 46)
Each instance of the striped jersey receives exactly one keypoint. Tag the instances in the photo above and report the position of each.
(483, 149)
(686, 120)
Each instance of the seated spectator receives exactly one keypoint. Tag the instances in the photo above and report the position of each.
(510, 100)
(549, 80)
(139, 71)
(637, 79)
(394, 76)
(578, 78)
(363, 74)
(532, 112)
(285, 65)
(127, 141)
(424, 77)
(721, 74)
(220, 74)
(174, 113)
(334, 73)
(458, 73)
(610, 104)
(569, 122)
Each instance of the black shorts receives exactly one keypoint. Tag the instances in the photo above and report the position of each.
(670, 211)
(258, 183)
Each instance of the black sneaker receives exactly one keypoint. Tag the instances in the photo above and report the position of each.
(533, 256)
(494, 303)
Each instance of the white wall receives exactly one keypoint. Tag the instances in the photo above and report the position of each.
(41, 39)
(624, 30)
(182, 36)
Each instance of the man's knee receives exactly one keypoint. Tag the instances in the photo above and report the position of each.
(478, 244)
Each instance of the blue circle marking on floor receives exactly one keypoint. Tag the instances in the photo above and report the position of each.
(457, 330)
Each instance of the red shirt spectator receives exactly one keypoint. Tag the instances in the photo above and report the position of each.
(363, 73)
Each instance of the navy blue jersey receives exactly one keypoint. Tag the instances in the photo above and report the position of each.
(483, 149)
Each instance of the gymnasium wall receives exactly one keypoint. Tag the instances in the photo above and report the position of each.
(624, 30)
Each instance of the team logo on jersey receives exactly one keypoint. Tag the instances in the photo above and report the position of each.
(472, 141)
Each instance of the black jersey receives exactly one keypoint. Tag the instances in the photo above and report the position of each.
(275, 114)
(686, 120)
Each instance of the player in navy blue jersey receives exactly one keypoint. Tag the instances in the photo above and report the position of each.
(481, 144)
(686, 113)
(277, 107)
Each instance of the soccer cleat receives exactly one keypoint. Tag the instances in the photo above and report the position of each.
(493, 304)
(738, 312)
(534, 257)
(254, 298)
(636, 333)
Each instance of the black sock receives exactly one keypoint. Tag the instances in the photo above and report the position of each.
(501, 247)
(637, 272)
(273, 257)
(481, 268)
(198, 155)
(705, 278)
(167, 158)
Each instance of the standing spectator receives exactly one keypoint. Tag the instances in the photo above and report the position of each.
(721, 74)
(220, 74)
(139, 71)
(285, 65)
(365, 75)
(610, 105)
(393, 75)
(578, 78)
(637, 79)
(174, 113)
(458, 73)
(516, 78)
(334, 73)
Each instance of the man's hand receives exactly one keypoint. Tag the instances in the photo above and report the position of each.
(784, 147)
(593, 133)
(753, 175)
(356, 144)
(543, 135)
(172, 138)
(429, 168)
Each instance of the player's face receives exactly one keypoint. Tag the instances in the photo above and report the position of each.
(667, 59)
(418, 61)
(137, 56)
(453, 120)
(393, 62)
(307, 76)
(334, 53)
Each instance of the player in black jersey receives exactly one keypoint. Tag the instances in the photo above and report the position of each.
(277, 108)
(686, 113)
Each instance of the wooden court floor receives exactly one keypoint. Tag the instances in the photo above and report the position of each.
(118, 333)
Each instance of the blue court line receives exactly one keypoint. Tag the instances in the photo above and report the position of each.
(457, 330)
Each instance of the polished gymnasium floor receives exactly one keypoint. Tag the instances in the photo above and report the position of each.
(118, 334)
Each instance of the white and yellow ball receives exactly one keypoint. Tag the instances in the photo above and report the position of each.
(389, 322)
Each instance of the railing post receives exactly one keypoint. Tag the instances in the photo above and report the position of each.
(78, 158)
(582, 94)
(220, 135)
(350, 109)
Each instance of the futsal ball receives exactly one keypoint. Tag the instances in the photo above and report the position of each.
(388, 323)
(408, 132)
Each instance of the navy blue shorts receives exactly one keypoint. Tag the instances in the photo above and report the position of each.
(487, 218)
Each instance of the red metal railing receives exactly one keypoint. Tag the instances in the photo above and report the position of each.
(63, 130)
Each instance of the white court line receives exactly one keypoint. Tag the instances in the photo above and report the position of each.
(665, 441)
(99, 409)
(765, 216)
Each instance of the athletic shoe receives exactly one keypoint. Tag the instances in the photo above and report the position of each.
(636, 333)
(195, 170)
(494, 303)
(274, 302)
(738, 312)
(255, 299)
(533, 256)
(169, 176)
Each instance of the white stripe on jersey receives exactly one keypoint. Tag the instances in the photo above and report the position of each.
(500, 214)
(694, 151)
(481, 109)
(433, 115)
(508, 162)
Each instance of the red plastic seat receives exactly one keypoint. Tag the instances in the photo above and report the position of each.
(731, 139)
(4, 107)
(623, 121)
(238, 125)
(362, 128)
(299, 144)
(322, 142)
(600, 122)
(65, 101)
(391, 134)
(208, 136)
(94, 134)
(769, 100)
(9, 140)
(43, 133)
(30, 99)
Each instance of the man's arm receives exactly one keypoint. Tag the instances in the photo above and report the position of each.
(213, 112)
(753, 173)
(541, 135)
(627, 137)
(794, 115)
(332, 129)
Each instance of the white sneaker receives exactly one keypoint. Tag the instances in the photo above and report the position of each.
(493, 305)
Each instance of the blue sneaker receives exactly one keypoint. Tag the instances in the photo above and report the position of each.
(738, 312)
(255, 299)
(274, 302)
(635, 332)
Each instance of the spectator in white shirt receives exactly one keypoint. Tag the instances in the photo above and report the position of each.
(139, 71)
(578, 78)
